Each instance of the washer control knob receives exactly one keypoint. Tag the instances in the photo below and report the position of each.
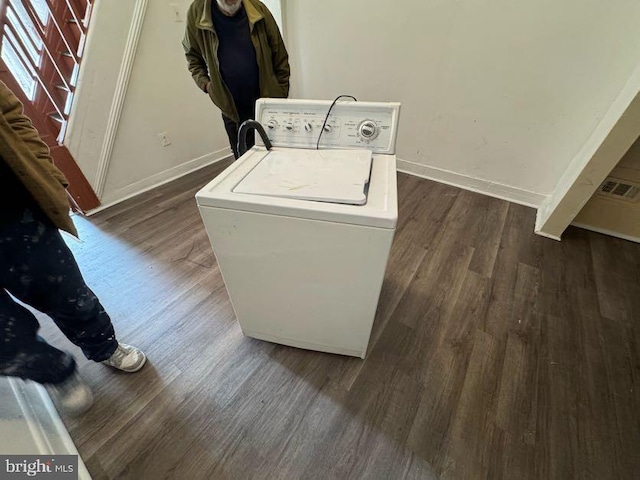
(328, 127)
(368, 129)
(308, 127)
(288, 125)
(272, 124)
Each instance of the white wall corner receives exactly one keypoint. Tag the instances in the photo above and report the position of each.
(612, 138)
(538, 229)
(479, 185)
(606, 231)
(115, 112)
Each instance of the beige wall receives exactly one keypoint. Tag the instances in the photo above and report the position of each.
(632, 157)
(611, 217)
(496, 95)
(161, 97)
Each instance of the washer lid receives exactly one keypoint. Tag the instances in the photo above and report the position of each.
(331, 176)
(381, 209)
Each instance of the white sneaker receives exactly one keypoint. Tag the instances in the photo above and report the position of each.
(73, 395)
(126, 358)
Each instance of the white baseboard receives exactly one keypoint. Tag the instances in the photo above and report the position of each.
(605, 231)
(541, 216)
(112, 198)
(547, 235)
(486, 187)
(492, 189)
(115, 113)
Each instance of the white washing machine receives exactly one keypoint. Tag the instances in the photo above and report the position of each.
(302, 235)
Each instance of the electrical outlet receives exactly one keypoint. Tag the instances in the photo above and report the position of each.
(165, 141)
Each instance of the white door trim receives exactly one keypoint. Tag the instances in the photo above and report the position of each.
(117, 105)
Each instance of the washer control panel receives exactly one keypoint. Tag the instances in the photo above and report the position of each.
(299, 123)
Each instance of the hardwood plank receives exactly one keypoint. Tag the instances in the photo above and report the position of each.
(419, 228)
(515, 460)
(517, 401)
(443, 370)
(617, 273)
(484, 233)
(622, 404)
(419, 469)
(563, 402)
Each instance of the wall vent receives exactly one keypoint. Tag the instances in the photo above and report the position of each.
(620, 189)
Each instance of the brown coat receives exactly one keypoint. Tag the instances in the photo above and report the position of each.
(28, 157)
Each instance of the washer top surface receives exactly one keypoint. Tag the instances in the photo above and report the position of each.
(380, 209)
(331, 176)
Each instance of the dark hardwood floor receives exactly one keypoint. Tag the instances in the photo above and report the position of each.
(495, 354)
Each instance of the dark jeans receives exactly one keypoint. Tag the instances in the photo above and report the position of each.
(232, 131)
(37, 268)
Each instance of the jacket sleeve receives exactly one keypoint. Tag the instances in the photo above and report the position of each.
(279, 55)
(13, 112)
(193, 52)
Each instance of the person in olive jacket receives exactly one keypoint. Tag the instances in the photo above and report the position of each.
(37, 268)
(236, 54)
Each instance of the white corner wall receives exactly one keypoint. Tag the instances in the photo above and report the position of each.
(496, 96)
(160, 97)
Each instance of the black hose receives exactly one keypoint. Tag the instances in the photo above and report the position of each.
(242, 136)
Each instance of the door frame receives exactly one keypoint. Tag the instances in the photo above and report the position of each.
(50, 79)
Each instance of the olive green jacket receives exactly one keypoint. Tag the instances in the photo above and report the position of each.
(28, 157)
(201, 48)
